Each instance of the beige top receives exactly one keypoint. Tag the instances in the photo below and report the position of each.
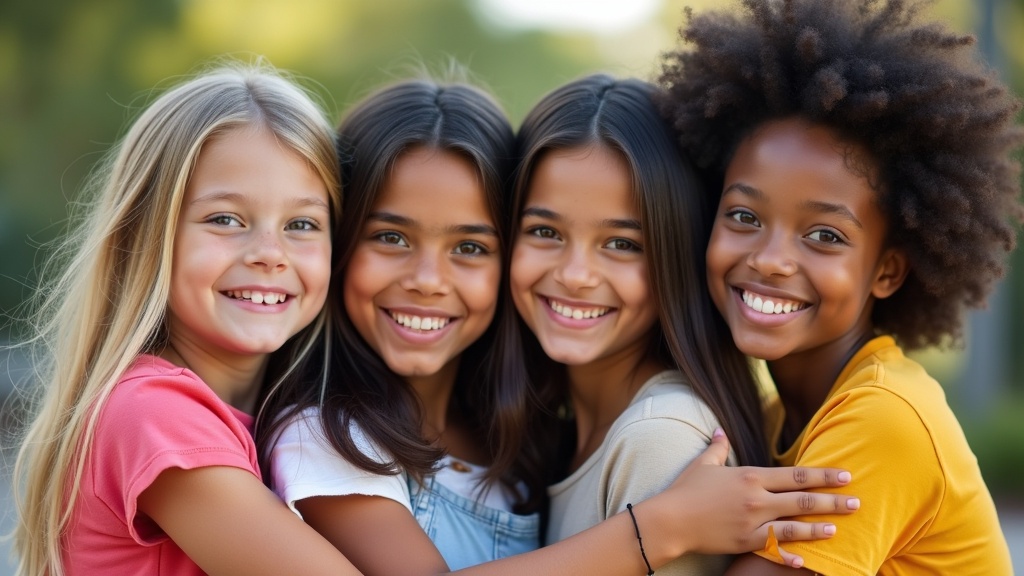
(664, 427)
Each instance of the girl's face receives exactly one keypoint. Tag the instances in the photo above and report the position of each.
(422, 283)
(797, 256)
(252, 253)
(579, 277)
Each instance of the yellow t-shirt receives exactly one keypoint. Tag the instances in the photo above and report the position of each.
(924, 506)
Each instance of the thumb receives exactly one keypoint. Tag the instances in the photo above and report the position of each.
(717, 452)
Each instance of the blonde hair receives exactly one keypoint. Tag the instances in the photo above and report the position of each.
(106, 304)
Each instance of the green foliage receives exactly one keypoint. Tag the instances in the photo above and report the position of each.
(998, 442)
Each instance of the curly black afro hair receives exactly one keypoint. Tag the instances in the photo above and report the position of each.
(935, 119)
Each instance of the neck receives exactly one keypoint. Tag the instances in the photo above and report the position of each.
(805, 379)
(434, 393)
(441, 424)
(234, 379)
(601, 391)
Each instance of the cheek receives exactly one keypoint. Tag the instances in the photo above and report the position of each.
(523, 271)
(358, 286)
(480, 288)
(635, 286)
(718, 261)
(318, 268)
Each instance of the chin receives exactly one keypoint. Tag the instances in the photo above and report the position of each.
(570, 358)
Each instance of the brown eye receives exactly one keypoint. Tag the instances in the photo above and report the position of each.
(743, 217)
(826, 237)
(543, 232)
(470, 249)
(623, 244)
(392, 238)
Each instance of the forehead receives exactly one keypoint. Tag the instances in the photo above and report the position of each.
(435, 185)
(794, 158)
(250, 163)
(587, 180)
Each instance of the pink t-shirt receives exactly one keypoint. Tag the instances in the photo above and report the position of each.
(159, 416)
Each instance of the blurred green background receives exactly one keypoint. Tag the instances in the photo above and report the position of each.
(73, 73)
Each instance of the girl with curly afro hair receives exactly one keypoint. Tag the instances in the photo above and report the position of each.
(867, 198)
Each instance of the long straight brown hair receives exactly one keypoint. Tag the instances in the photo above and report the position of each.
(464, 120)
(676, 220)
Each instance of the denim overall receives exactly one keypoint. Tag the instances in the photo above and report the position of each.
(467, 532)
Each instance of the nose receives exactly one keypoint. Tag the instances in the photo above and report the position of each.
(576, 271)
(773, 256)
(428, 275)
(266, 250)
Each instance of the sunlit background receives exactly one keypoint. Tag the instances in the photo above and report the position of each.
(74, 72)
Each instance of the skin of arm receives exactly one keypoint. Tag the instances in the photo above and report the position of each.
(710, 508)
(377, 534)
(229, 523)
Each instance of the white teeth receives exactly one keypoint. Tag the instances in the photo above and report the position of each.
(424, 324)
(577, 313)
(766, 306)
(268, 298)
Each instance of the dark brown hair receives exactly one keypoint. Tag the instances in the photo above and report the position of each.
(675, 219)
(939, 125)
(361, 389)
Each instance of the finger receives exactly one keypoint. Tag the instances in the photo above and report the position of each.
(786, 504)
(801, 478)
(795, 531)
(791, 560)
(717, 452)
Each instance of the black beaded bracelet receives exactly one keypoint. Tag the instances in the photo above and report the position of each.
(650, 571)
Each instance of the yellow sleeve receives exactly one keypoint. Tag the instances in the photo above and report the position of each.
(882, 440)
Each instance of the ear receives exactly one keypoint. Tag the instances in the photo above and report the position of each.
(892, 271)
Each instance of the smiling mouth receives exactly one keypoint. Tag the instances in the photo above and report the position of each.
(257, 297)
(768, 305)
(576, 313)
(421, 323)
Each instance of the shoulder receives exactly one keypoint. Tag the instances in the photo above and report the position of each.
(887, 388)
(306, 429)
(153, 392)
(666, 400)
(666, 420)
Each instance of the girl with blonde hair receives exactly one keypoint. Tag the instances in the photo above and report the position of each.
(206, 249)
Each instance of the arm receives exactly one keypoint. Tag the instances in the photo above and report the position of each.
(709, 509)
(646, 455)
(378, 535)
(364, 515)
(227, 521)
(746, 494)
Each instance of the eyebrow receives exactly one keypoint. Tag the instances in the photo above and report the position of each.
(813, 205)
(399, 220)
(238, 197)
(626, 223)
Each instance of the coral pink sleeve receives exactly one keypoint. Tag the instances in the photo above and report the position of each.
(160, 417)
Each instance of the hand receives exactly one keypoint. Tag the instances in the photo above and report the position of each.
(719, 509)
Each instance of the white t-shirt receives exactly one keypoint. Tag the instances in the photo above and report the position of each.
(303, 465)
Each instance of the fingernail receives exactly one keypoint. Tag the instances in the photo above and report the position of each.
(797, 562)
(718, 433)
(829, 529)
(852, 503)
(844, 477)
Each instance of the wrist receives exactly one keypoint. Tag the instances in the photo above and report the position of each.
(665, 535)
